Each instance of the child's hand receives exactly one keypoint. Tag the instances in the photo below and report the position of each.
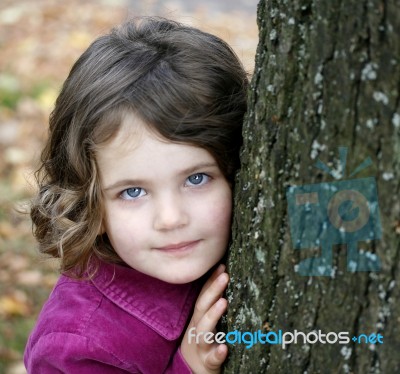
(204, 358)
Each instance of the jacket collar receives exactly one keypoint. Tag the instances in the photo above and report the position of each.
(162, 306)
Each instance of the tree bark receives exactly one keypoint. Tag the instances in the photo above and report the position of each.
(327, 75)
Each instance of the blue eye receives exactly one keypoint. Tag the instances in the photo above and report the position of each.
(198, 179)
(132, 193)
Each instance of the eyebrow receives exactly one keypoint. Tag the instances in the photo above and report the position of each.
(139, 182)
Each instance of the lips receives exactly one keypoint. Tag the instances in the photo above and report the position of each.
(179, 247)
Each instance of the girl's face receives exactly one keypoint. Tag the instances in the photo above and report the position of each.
(167, 205)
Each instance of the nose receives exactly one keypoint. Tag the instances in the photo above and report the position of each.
(170, 213)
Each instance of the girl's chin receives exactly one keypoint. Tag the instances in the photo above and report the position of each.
(183, 278)
(180, 280)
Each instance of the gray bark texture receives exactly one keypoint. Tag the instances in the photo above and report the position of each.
(327, 75)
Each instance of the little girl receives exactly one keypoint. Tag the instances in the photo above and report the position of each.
(135, 200)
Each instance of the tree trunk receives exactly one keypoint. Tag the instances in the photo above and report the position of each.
(327, 75)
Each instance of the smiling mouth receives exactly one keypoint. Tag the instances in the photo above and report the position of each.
(179, 247)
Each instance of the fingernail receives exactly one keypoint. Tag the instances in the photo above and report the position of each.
(221, 267)
(223, 278)
(221, 303)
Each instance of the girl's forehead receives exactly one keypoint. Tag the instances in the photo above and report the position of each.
(130, 134)
(136, 140)
(146, 158)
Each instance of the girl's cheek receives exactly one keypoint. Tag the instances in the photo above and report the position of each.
(222, 213)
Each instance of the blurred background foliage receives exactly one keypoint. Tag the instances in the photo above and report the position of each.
(39, 41)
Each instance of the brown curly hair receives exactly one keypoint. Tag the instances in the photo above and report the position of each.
(185, 84)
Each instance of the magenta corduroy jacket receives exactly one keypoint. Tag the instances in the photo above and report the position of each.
(122, 321)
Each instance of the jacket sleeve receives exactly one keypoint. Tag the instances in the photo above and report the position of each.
(69, 353)
(178, 365)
